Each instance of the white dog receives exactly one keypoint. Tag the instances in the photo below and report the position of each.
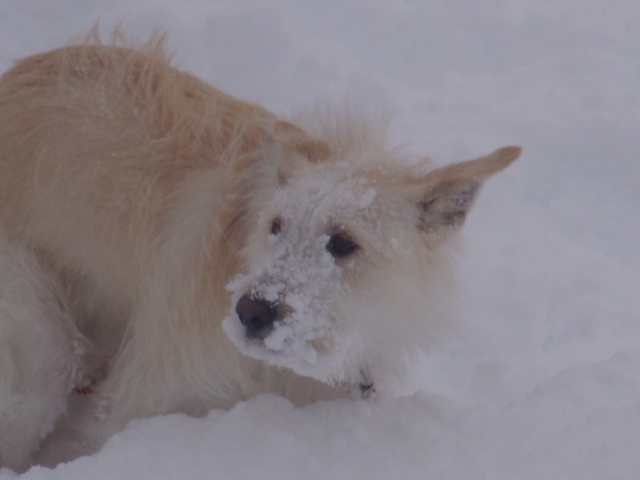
(166, 247)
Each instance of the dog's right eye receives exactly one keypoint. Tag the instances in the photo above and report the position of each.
(340, 246)
(276, 226)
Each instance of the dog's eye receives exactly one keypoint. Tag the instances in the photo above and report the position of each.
(276, 226)
(340, 246)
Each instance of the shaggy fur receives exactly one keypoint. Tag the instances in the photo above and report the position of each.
(138, 205)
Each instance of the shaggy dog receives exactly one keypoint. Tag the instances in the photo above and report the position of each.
(166, 247)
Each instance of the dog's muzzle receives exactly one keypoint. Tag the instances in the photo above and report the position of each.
(258, 316)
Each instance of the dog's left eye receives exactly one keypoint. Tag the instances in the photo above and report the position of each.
(340, 246)
(276, 226)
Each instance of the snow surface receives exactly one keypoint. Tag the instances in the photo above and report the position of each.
(545, 381)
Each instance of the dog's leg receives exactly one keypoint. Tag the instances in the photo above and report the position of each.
(40, 355)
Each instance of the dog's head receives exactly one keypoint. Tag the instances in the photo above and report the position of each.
(349, 269)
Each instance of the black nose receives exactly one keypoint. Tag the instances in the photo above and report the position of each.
(256, 315)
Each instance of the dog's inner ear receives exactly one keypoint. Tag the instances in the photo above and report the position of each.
(446, 205)
(451, 190)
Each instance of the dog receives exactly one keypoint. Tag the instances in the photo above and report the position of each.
(166, 247)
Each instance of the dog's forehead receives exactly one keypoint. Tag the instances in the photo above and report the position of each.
(327, 191)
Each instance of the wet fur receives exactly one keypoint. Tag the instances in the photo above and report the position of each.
(132, 193)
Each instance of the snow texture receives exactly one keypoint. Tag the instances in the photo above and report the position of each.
(544, 382)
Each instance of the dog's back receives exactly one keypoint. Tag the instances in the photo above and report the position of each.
(96, 143)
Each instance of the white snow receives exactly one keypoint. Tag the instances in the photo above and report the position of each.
(544, 383)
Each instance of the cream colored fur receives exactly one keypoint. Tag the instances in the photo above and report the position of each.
(133, 193)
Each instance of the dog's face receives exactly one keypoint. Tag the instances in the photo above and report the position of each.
(349, 268)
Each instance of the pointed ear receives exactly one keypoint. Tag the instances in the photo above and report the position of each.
(451, 190)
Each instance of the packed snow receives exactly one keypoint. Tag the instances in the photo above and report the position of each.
(544, 380)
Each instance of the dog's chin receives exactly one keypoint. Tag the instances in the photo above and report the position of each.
(323, 359)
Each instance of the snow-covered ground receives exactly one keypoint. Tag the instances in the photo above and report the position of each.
(544, 382)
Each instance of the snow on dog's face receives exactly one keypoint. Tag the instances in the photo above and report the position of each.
(349, 267)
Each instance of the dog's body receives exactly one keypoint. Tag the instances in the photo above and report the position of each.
(132, 194)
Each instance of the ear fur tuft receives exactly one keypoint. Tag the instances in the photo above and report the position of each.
(295, 139)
